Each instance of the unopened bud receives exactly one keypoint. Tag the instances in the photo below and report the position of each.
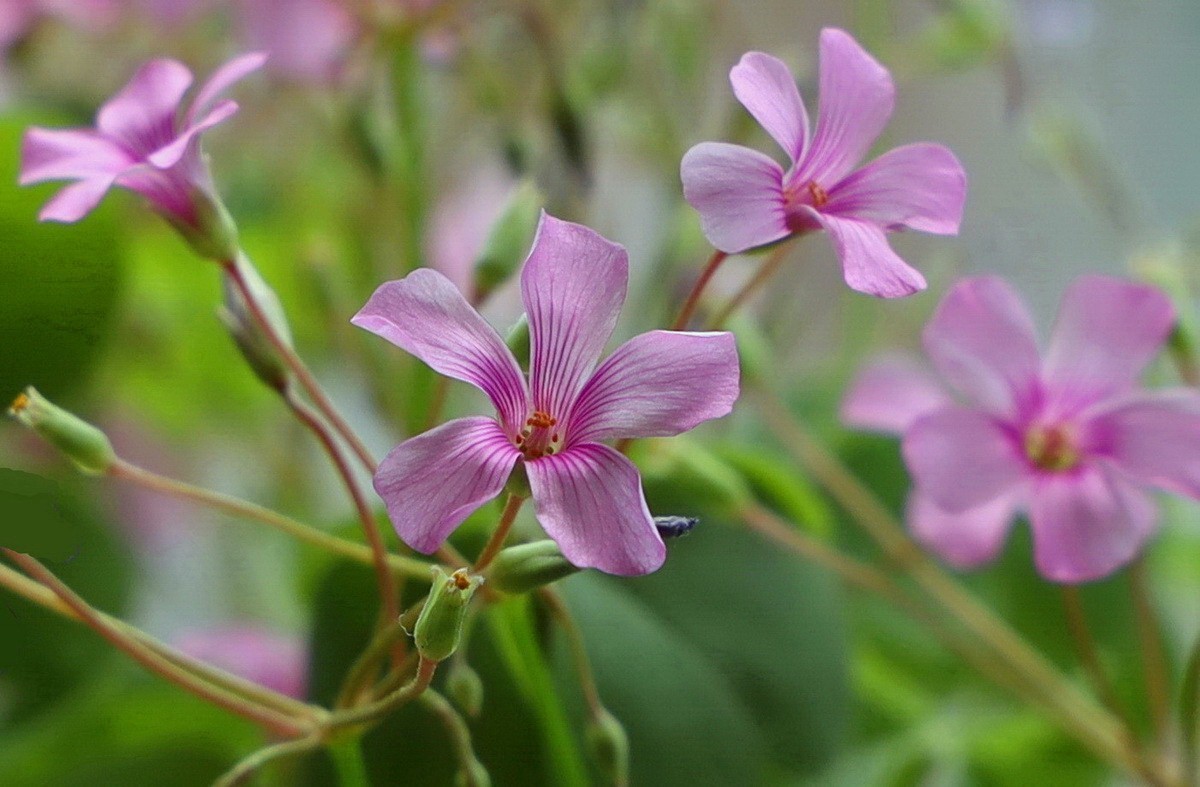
(249, 336)
(524, 567)
(675, 526)
(508, 239)
(518, 341)
(83, 443)
(208, 227)
(473, 774)
(465, 687)
(609, 745)
(439, 628)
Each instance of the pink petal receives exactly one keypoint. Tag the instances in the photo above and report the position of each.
(1087, 524)
(981, 340)
(77, 200)
(961, 458)
(433, 481)
(658, 384)
(425, 315)
(60, 154)
(221, 79)
(142, 115)
(167, 157)
(890, 394)
(308, 39)
(738, 193)
(1107, 330)
(1154, 437)
(868, 263)
(856, 100)
(589, 500)
(768, 91)
(967, 539)
(573, 285)
(922, 187)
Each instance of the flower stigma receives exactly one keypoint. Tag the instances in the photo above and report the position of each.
(1051, 448)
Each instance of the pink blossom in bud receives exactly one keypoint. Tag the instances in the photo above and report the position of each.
(745, 199)
(588, 497)
(277, 662)
(144, 142)
(1066, 437)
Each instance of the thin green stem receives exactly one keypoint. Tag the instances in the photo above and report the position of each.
(460, 736)
(1154, 660)
(249, 766)
(45, 597)
(385, 706)
(768, 269)
(347, 755)
(558, 609)
(231, 505)
(293, 361)
(693, 298)
(1089, 657)
(512, 505)
(269, 718)
(389, 598)
(366, 667)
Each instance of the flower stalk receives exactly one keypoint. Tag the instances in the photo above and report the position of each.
(693, 297)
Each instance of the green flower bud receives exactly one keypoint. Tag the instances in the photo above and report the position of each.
(518, 341)
(251, 340)
(83, 443)
(473, 775)
(521, 568)
(465, 687)
(212, 232)
(509, 238)
(439, 628)
(609, 745)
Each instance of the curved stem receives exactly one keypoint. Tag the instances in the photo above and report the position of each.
(760, 277)
(307, 381)
(509, 515)
(460, 735)
(383, 577)
(247, 767)
(557, 607)
(269, 718)
(383, 707)
(126, 471)
(1085, 649)
(364, 669)
(1154, 661)
(693, 297)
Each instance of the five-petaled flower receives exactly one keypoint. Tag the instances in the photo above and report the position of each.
(745, 199)
(1067, 438)
(588, 497)
(144, 142)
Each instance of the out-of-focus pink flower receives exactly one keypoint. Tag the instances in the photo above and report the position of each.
(588, 496)
(277, 662)
(745, 199)
(143, 142)
(307, 40)
(461, 223)
(1067, 436)
(17, 17)
(171, 13)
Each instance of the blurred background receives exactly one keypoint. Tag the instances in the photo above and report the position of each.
(357, 156)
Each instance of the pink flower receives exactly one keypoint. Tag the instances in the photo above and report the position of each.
(745, 199)
(144, 143)
(18, 16)
(271, 660)
(1067, 437)
(588, 497)
(307, 40)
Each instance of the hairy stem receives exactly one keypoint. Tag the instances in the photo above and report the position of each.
(512, 505)
(768, 269)
(1089, 657)
(249, 766)
(558, 609)
(693, 297)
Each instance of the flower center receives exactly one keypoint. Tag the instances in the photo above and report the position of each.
(802, 195)
(1051, 448)
(538, 437)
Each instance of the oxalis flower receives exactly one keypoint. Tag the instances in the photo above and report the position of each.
(745, 199)
(1067, 438)
(144, 142)
(588, 497)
